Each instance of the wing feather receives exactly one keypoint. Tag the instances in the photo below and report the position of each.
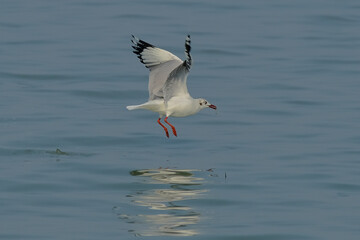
(176, 85)
(160, 63)
(168, 73)
(150, 55)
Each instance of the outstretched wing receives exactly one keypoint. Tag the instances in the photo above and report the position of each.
(175, 84)
(160, 63)
(150, 55)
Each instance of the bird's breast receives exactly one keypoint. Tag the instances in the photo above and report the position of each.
(181, 107)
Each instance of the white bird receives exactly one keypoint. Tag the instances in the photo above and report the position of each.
(168, 93)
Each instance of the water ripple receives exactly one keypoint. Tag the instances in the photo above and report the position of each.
(35, 76)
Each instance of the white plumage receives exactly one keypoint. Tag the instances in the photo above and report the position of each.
(168, 93)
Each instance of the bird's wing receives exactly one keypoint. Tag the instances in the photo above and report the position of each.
(160, 63)
(175, 84)
(150, 55)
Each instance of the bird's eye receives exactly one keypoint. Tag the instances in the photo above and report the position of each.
(205, 102)
(200, 103)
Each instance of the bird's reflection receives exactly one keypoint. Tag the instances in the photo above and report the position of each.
(166, 211)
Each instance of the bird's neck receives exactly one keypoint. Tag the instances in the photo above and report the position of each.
(196, 105)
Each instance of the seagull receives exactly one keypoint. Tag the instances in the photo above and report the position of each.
(168, 93)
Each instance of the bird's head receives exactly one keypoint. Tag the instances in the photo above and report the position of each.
(203, 103)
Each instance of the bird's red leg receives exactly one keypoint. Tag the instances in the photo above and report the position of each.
(172, 127)
(166, 131)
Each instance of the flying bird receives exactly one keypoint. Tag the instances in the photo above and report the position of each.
(168, 93)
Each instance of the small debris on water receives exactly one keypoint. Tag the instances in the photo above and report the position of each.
(59, 152)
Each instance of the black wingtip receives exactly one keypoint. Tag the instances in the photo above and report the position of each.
(139, 46)
(133, 38)
(188, 60)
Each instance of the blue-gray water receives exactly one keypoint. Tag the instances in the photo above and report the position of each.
(280, 159)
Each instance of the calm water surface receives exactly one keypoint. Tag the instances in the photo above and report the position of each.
(280, 159)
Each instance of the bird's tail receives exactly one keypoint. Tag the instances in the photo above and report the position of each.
(154, 105)
(133, 107)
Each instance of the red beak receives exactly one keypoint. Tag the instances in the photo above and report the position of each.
(212, 106)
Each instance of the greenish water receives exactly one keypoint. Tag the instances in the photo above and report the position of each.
(278, 160)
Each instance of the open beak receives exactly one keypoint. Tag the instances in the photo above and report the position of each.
(212, 106)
